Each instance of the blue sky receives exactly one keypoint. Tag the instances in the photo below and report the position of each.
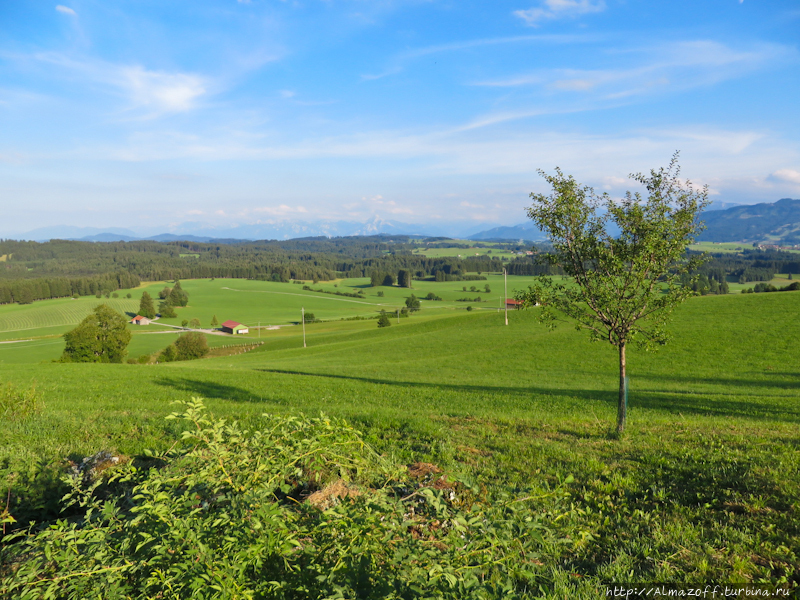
(147, 114)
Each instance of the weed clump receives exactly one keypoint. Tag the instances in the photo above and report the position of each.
(300, 508)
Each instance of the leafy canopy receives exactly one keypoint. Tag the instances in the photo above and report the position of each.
(103, 336)
(627, 283)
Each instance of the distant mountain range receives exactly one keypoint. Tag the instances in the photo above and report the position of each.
(203, 232)
(725, 222)
(777, 222)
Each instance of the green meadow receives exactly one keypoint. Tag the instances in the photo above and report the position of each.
(703, 487)
(253, 303)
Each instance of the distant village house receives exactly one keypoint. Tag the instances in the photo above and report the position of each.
(511, 303)
(234, 328)
(140, 320)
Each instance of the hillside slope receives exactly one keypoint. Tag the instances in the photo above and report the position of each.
(765, 222)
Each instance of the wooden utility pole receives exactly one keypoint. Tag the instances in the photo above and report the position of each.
(303, 318)
(398, 316)
(505, 293)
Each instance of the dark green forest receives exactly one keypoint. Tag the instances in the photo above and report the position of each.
(59, 268)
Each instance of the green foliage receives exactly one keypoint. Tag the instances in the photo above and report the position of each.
(167, 310)
(103, 336)
(164, 293)
(627, 284)
(214, 322)
(309, 317)
(381, 294)
(191, 345)
(168, 354)
(195, 324)
(404, 278)
(146, 307)
(229, 515)
(177, 296)
(412, 303)
(384, 320)
(185, 323)
(18, 403)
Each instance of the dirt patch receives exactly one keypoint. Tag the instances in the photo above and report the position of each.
(331, 494)
(419, 470)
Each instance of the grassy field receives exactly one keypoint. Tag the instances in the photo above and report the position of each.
(248, 302)
(475, 249)
(726, 247)
(704, 487)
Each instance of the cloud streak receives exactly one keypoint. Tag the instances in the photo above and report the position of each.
(65, 10)
(667, 68)
(559, 9)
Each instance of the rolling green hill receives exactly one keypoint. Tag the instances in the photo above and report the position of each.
(777, 222)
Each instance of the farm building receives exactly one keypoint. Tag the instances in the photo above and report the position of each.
(140, 320)
(511, 303)
(233, 327)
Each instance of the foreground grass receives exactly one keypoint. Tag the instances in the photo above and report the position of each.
(704, 487)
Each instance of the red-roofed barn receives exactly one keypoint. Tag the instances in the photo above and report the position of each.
(233, 327)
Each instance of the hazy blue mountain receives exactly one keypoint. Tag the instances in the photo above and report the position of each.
(771, 222)
(279, 230)
(524, 231)
(68, 232)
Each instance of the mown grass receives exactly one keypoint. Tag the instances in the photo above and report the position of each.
(704, 486)
(248, 302)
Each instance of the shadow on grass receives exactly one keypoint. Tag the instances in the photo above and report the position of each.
(763, 408)
(211, 389)
(769, 381)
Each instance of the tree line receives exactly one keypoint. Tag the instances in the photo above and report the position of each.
(25, 291)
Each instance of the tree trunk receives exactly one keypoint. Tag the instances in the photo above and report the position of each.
(622, 407)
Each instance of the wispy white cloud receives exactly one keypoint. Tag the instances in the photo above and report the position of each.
(559, 9)
(400, 61)
(155, 92)
(672, 67)
(65, 10)
(164, 92)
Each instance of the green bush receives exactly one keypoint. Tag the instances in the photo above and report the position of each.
(168, 354)
(102, 337)
(191, 345)
(300, 508)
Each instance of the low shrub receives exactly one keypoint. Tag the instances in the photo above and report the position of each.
(300, 508)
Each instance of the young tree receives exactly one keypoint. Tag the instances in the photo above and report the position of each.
(165, 309)
(103, 337)
(214, 322)
(404, 278)
(195, 324)
(627, 283)
(412, 303)
(191, 345)
(384, 320)
(146, 308)
(177, 297)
